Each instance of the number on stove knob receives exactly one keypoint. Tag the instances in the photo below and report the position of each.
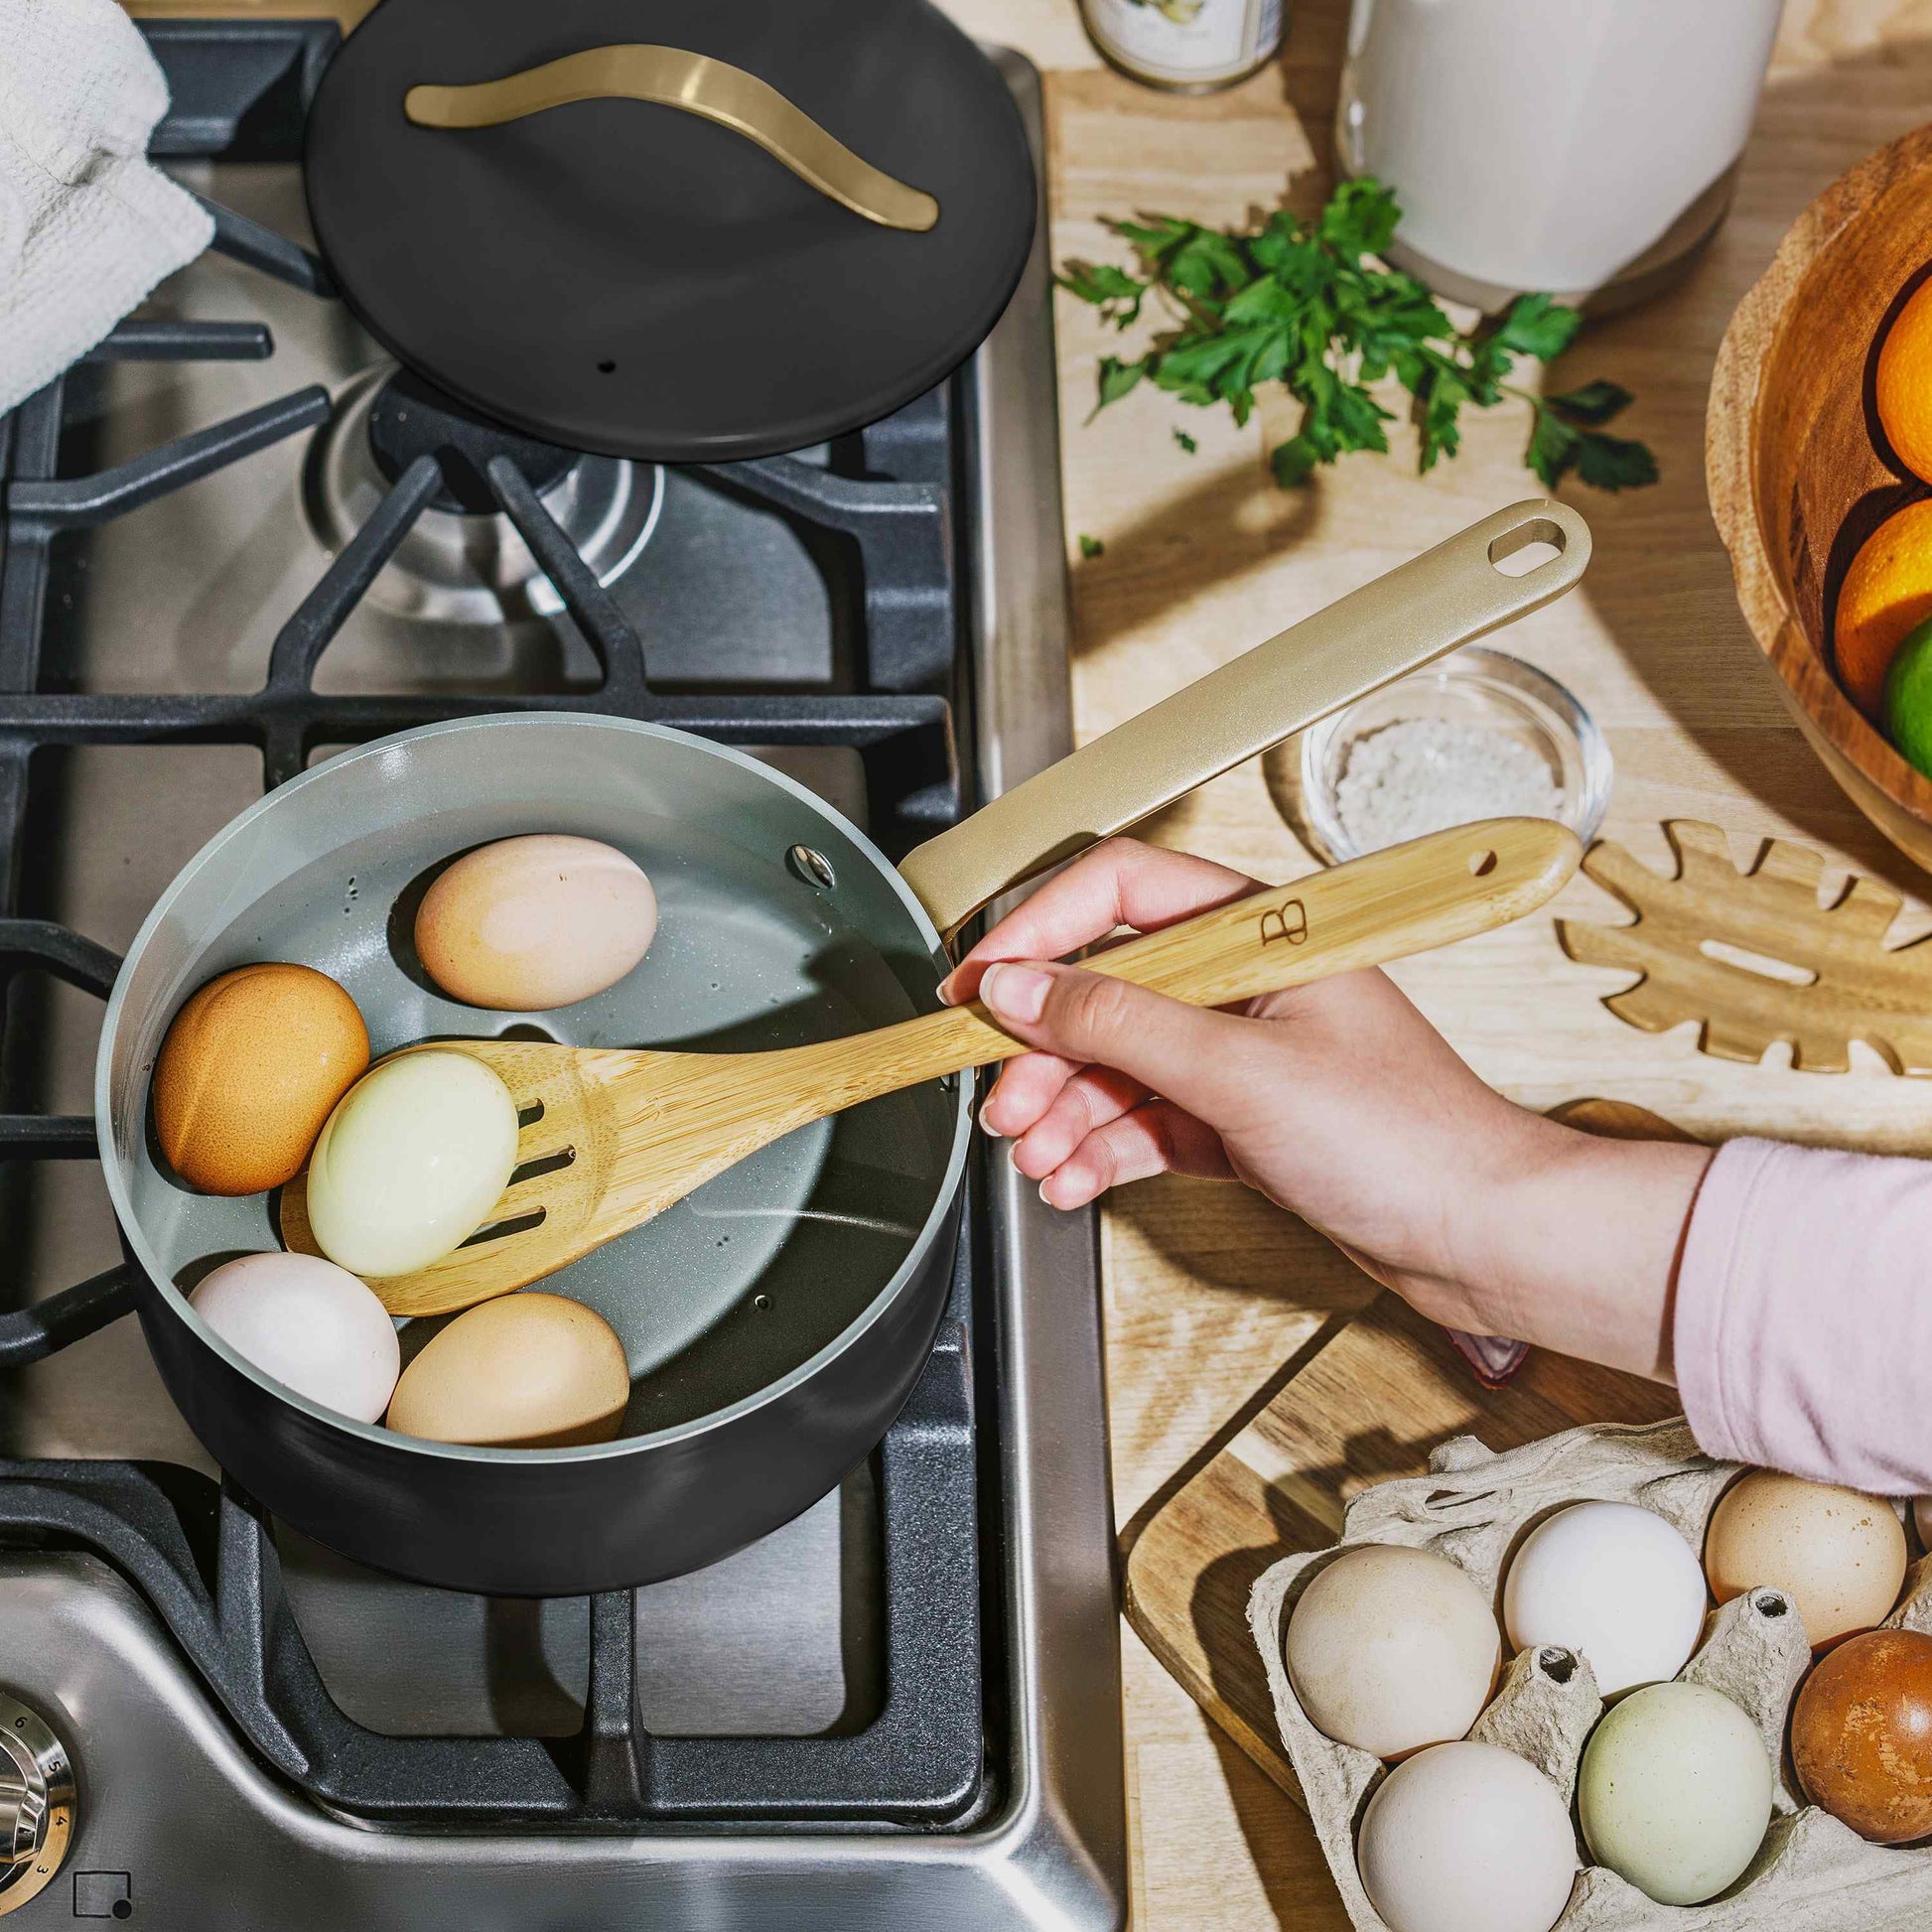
(36, 1802)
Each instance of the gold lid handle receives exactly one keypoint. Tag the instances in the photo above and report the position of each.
(714, 91)
(1447, 597)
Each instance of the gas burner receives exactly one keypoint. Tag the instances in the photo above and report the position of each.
(462, 564)
(411, 417)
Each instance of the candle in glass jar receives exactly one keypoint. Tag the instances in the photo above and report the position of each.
(1185, 46)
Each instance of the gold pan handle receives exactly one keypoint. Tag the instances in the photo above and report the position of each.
(1447, 597)
(714, 91)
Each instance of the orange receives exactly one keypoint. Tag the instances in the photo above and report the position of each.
(1885, 593)
(1902, 390)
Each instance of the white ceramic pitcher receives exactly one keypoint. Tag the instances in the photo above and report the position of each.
(1583, 147)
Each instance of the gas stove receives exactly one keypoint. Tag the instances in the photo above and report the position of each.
(222, 562)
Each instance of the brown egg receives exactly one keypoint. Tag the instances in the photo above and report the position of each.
(1839, 1555)
(249, 1071)
(524, 1371)
(1862, 1736)
(535, 922)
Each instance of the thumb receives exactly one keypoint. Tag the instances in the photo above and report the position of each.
(1188, 1055)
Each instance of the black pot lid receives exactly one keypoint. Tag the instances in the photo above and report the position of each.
(615, 275)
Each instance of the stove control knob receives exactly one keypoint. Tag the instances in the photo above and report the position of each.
(36, 1802)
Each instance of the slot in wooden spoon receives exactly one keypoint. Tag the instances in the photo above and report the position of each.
(624, 1134)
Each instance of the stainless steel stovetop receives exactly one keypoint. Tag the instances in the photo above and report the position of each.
(179, 1824)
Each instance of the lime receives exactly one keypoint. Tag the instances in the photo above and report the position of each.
(1908, 697)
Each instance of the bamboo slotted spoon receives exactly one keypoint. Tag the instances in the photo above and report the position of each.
(621, 1135)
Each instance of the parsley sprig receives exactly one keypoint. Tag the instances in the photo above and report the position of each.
(1310, 307)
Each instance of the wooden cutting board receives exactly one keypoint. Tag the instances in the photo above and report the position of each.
(1369, 1402)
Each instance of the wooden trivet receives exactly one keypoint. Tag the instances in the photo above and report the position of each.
(1857, 988)
(1370, 1404)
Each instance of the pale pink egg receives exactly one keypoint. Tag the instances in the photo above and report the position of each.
(310, 1324)
(530, 924)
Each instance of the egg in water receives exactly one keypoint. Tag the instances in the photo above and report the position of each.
(1613, 1582)
(526, 1371)
(1674, 1792)
(249, 1071)
(1467, 1838)
(310, 1324)
(1839, 1555)
(411, 1163)
(530, 924)
(1391, 1648)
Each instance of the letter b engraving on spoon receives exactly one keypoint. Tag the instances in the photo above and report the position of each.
(1287, 921)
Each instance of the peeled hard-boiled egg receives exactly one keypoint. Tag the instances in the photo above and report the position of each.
(1390, 1650)
(524, 1371)
(310, 1324)
(1615, 1582)
(1674, 1792)
(535, 922)
(248, 1072)
(1467, 1838)
(1840, 1556)
(411, 1163)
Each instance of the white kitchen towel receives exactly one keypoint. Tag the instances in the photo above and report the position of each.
(87, 224)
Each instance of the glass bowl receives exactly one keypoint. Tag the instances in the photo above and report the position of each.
(1475, 686)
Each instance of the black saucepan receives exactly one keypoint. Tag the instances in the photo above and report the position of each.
(777, 1319)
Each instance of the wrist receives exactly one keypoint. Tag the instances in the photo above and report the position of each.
(1508, 1216)
(1583, 1236)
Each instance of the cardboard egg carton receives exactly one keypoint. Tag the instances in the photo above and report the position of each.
(1811, 1875)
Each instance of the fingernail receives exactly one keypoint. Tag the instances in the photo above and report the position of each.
(986, 1126)
(1016, 992)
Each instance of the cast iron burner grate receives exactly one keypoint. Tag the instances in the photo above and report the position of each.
(202, 1554)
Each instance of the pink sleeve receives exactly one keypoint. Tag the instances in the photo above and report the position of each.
(1803, 1331)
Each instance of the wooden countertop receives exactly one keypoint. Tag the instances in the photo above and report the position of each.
(1210, 1291)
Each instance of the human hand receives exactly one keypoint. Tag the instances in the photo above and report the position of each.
(1338, 1100)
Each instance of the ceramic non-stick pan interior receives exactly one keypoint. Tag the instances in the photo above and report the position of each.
(756, 1272)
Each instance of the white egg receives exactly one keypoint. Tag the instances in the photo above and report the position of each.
(310, 1324)
(411, 1161)
(1391, 1648)
(1674, 1792)
(1467, 1838)
(1615, 1582)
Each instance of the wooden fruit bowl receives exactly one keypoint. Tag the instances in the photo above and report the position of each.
(1798, 469)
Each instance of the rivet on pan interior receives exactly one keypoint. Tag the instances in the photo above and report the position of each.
(815, 868)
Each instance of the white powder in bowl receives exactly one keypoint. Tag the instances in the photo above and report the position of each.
(1424, 774)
